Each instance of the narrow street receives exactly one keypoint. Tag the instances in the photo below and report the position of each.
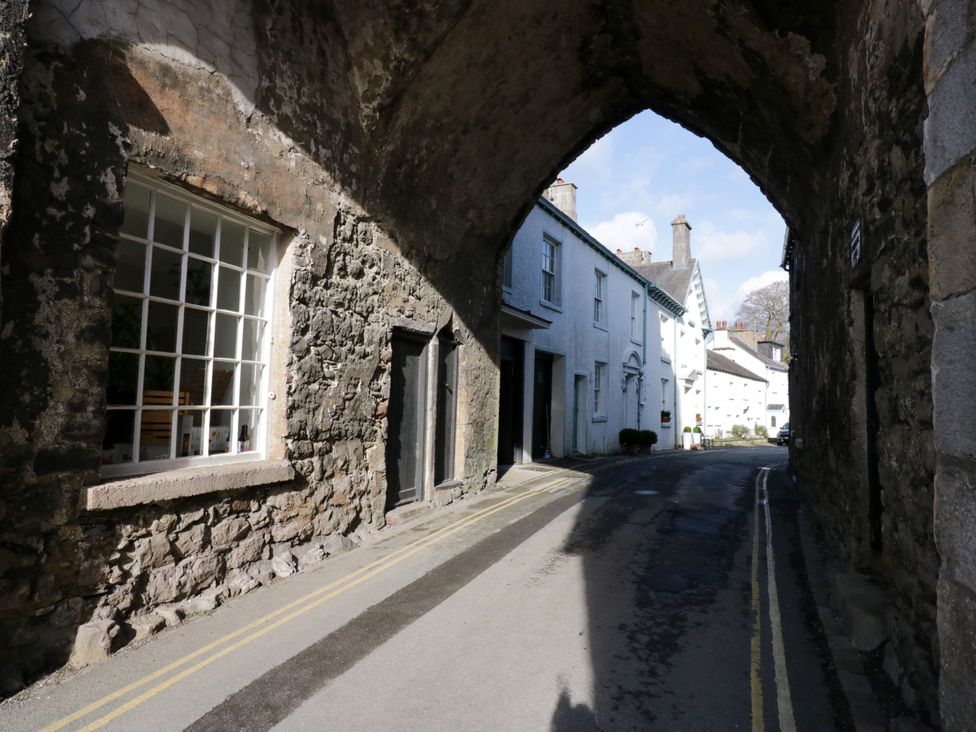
(617, 595)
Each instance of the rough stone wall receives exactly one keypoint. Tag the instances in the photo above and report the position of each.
(12, 17)
(950, 171)
(876, 176)
(92, 107)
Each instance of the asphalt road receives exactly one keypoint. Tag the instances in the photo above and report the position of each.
(663, 593)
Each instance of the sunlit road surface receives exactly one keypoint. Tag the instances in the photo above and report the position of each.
(649, 593)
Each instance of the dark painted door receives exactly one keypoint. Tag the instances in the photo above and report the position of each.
(510, 401)
(542, 405)
(446, 410)
(405, 443)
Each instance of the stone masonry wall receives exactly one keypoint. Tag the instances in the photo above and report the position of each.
(12, 17)
(91, 108)
(877, 178)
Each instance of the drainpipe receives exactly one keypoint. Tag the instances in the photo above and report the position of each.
(640, 376)
(674, 372)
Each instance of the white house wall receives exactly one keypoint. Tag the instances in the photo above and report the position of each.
(577, 343)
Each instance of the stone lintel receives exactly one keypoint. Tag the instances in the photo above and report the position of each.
(196, 481)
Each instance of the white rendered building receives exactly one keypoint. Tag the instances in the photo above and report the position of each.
(735, 396)
(683, 336)
(581, 341)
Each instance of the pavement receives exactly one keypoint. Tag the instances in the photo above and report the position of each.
(664, 592)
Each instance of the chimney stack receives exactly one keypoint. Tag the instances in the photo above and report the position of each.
(681, 242)
(562, 195)
(635, 258)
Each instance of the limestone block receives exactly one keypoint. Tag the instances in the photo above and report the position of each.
(953, 377)
(314, 555)
(229, 530)
(240, 582)
(152, 552)
(957, 645)
(200, 572)
(93, 642)
(336, 544)
(949, 132)
(145, 626)
(249, 550)
(191, 541)
(284, 564)
(952, 232)
(163, 586)
(863, 608)
(172, 615)
(955, 520)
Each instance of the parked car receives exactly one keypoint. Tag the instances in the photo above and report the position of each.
(783, 436)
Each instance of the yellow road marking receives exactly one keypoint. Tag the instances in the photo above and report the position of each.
(337, 587)
(755, 680)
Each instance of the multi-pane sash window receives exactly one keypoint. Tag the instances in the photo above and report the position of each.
(188, 363)
(599, 381)
(507, 267)
(599, 297)
(635, 316)
(550, 266)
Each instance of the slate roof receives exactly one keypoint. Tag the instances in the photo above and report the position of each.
(772, 363)
(673, 281)
(718, 362)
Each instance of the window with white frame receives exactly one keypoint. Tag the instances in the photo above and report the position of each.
(507, 266)
(635, 319)
(599, 298)
(550, 271)
(188, 362)
(599, 389)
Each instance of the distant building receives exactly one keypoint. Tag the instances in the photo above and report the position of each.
(683, 337)
(582, 339)
(735, 396)
(764, 358)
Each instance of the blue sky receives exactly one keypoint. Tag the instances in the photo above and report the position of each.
(636, 179)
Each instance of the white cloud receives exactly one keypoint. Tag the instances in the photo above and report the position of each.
(671, 205)
(626, 231)
(711, 245)
(761, 280)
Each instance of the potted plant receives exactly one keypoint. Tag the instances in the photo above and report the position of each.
(686, 438)
(665, 418)
(628, 440)
(646, 439)
(696, 436)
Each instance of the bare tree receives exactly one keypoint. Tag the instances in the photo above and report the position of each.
(767, 310)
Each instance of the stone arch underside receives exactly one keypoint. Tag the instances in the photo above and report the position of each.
(440, 122)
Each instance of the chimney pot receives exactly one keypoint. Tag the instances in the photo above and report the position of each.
(681, 242)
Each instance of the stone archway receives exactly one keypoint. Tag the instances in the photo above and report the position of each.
(415, 139)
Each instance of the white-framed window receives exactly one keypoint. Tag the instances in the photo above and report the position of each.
(191, 332)
(599, 298)
(635, 316)
(550, 270)
(664, 393)
(507, 266)
(599, 389)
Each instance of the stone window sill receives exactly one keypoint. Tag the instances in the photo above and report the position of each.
(186, 482)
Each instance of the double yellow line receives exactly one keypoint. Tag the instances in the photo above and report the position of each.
(284, 614)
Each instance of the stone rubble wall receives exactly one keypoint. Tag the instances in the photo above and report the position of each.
(90, 581)
(12, 17)
(876, 178)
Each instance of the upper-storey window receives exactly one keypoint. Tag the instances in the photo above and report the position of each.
(188, 363)
(599, 298)
(550, 271)
(507, 268)
(635, 319)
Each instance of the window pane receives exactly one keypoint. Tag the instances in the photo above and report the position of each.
(225, 340)
(189, 427)
(130, 265)
(117, 442)
(247, 421)
(250, 384)
(254, 297)
(229, 289)
(155, 434)
(193, 378)
(259, 251)
(170, 216)
(196, 326)
(253, 333)
(123, 378)
(203, 229)
(220, 422)
(198, 277)
(164, 277)
(232, 242)
(222, 384)
(126, 321)
(157, 381)
(136, 221)
(161, 332)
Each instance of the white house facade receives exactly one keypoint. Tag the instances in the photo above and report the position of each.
(683, 336)
(735, 396)
(581, 347)
(764, 358)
